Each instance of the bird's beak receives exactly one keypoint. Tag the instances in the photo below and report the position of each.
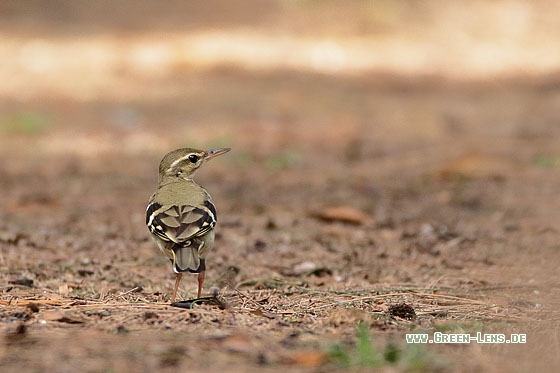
(216, 152)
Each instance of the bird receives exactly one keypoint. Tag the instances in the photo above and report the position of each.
(181, 216)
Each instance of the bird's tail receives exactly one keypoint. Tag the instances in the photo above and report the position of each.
(187, 259)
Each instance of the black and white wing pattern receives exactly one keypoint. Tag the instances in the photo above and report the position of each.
(180, 223)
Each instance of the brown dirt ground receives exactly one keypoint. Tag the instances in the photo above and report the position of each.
(344, 196)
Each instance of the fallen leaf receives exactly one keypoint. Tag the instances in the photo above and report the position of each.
(259, 312)
(310, 358)
(59, 317)
(345, 214)
(51, 315)
(475, 166)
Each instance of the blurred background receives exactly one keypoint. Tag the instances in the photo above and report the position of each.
(377, 77)
(322, 102)
(332, 89)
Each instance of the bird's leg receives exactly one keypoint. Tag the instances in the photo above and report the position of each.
(200, 282)
(177, 281)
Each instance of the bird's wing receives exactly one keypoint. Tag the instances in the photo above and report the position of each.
(180, 223)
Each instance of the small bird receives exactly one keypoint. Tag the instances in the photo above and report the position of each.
(180, 214)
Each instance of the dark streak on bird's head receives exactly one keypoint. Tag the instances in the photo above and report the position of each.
(182, 163)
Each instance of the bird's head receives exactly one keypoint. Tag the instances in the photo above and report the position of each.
(183, 163)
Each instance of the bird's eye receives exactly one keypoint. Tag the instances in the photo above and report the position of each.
(193, 158)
